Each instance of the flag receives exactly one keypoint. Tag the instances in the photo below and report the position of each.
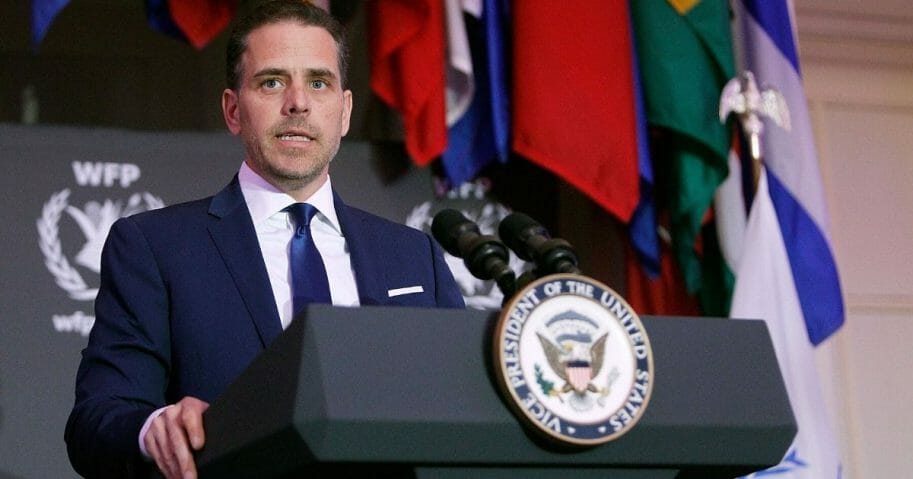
(407, 70)
(159, 18)
(731, 202)
(764, 288)
(684, 51)
(43, 14)
(642, 229)
(662, 293)
(460, 84)
(791, 158)
(786, 273)
(202, 20)
(480, 135)
(573, 100)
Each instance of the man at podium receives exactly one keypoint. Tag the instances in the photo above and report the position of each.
(191, 293)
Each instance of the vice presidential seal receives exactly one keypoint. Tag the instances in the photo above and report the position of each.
(574, 360)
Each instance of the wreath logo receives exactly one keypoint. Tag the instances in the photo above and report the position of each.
(94, 221)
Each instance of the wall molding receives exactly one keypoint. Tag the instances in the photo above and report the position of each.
(858, 33)
(861, 303)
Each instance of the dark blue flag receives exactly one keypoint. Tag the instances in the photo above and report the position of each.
(43, 14)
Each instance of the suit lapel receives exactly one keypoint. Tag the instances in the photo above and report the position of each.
(370, 276)
(234, 236)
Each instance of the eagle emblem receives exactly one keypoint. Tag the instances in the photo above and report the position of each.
(575, 351)
(575, 360)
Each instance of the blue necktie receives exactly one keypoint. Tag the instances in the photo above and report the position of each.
(309, 275)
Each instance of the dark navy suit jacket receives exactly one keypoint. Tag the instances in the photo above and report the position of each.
(185, 304)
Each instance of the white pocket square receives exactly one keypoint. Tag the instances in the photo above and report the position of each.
(401, 291)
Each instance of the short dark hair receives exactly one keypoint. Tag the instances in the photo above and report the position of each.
(275, 11)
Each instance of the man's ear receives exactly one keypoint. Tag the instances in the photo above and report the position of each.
(346, 111)
(230, 111)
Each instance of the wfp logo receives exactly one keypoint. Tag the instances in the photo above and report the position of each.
(94, 220)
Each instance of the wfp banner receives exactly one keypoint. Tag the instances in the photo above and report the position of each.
(62, 190)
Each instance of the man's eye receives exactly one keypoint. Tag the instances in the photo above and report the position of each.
(318, 84)
(271, 83)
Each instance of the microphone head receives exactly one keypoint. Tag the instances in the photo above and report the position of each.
(516, 230)
(447, 227)
(484, 256)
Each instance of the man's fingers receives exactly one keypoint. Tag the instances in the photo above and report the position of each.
(155, 450)
(181, 449)
(172, 436)
(158, 444)
(192, 417)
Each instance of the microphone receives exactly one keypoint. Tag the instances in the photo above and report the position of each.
(531, 242)
(484, 255)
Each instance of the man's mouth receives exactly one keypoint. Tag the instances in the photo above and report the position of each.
(294, 137)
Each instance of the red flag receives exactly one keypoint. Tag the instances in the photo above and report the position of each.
(407, 70)
(202, 20)
(665, 294)
(573, 110)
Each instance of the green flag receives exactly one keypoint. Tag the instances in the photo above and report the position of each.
(684, 50)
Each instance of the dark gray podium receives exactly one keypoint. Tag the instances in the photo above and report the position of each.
(405, 392)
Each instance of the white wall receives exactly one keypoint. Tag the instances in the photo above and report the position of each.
(857, 60)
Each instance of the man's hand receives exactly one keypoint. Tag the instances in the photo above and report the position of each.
(173, 436)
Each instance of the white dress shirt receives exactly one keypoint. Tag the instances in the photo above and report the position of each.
(275, 229)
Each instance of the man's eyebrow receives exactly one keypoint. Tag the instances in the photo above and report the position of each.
(321, 73)
(311, 73)
(271, 72)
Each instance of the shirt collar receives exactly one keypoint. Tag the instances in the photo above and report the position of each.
(265, 200)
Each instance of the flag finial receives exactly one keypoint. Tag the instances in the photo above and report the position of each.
(742, 96)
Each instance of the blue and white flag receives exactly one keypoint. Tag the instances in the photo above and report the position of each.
(786, 273)
(770, 53)
(460, 85)
(478, 131)
(764, 288)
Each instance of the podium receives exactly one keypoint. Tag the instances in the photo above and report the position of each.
(409, 392)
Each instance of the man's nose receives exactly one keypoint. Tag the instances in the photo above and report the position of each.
(297, 101)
